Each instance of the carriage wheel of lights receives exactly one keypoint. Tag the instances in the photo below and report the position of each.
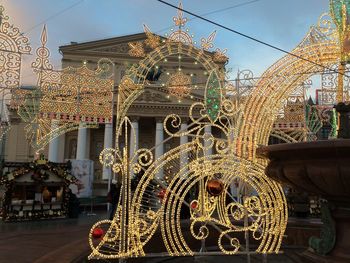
(66, 100)
(322, 45)
(13, 44)
(204, 168)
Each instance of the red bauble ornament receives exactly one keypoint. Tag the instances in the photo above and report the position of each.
(97, 232)
(194, 205)
(162, 194)
(215, 187)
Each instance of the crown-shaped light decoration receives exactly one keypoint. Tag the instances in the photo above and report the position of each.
(178, 33)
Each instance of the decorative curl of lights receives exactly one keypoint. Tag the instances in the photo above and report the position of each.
(207, 165)
(66, 99)
(179, 85)
(13, 45)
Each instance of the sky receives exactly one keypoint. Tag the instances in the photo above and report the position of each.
(282, 23)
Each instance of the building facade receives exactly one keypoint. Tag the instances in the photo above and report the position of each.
(146, 114)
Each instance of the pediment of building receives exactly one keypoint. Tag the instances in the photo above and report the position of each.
(116, 45)
(160, 96)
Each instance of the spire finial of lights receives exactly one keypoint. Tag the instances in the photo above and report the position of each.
(180, 20)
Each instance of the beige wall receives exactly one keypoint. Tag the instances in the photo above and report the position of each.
(17, 148)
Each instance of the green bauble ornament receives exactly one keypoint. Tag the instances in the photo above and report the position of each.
(213, 96)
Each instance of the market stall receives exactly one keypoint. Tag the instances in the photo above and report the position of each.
(37, 190)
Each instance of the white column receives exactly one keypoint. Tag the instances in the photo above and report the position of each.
(61, 147)
(54, 144)
(159, 150)
(207, 130)
(134, 137)
(82, 143)
(108, 143)
(183, 140)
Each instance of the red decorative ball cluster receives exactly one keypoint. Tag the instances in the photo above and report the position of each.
(215, 187)
(162, 194)
(194, 205)
(97, 232)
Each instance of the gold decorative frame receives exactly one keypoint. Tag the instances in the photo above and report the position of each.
(13, 45)
(71, 98)
(156, 203)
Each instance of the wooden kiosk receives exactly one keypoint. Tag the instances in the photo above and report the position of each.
(37, 190)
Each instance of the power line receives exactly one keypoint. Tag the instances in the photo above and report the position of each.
(199, 83)
(54, 15)
(161, 30)
(228, 8)
(213, 12)
(247, 36)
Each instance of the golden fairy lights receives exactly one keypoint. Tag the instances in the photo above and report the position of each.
(156, 203)
(13, 45)
(179, 85)
(280, 80)
(71, 97)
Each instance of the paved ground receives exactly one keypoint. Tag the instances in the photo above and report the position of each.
(65, 241)
(283, 258)
(43, 241)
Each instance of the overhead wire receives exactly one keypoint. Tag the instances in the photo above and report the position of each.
(54, 15)
(213, 12)
(249, 37)
(202, 18)
(228, 80)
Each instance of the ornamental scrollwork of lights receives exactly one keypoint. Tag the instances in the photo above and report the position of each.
(326, 45)
(13, 45)
(204, 170)
(179, 85)
(66, 99)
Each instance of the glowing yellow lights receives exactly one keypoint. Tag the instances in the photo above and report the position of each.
(70, 97)
(13, 45)
(157, 201)
(280, 80)
(179, 85)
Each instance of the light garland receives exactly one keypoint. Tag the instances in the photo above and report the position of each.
(279, 81)
(13, 45)
(179, 85)
(156, 203)
(73, 97)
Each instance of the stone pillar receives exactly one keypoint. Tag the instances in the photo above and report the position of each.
(183, 140)
(82, 143)
(133, 137)
(54, 144)
(61, 147)
(159, 150)
(207, 130)
(108, 143)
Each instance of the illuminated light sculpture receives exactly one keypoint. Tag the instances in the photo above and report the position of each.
(144, 211)
(179, 85)
(180, 35)
(70, 97)
(297, 121)
(280, 80)
(13, 45)
(335, 83)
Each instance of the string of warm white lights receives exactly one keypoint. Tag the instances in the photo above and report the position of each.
(13, 45)
(72, 97)
(156, 203)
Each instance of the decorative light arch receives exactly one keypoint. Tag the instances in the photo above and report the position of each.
(278, 82)
(136, 219)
